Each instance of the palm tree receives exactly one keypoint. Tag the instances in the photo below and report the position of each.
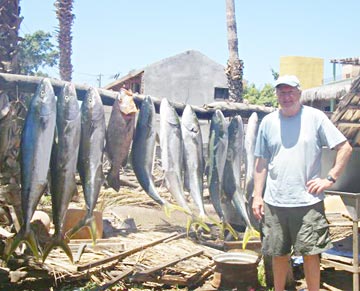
(9, 35)
(66, 19)
(234, 69)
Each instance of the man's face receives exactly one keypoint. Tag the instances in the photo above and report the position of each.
(288, 96)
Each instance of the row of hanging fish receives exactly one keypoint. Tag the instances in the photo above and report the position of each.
(183, 163)
(63, 137)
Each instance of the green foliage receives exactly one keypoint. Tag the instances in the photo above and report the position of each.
(274, 74)
(37, 51)
(266, 96)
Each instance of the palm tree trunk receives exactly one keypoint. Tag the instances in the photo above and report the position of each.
(66, 19)
(9, 28)
(234, 69)
(9, 166)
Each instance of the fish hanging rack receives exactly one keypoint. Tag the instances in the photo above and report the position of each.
(28, 84)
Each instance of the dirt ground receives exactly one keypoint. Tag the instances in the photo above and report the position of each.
(133, 204)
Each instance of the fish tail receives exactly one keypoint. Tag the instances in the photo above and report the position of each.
(93, 230)
(88, 221)
(228, 226)
(249, 233)
(60, 242)
(169, 208)
(22, 236)
(113, 180)
(198, 222)
(216, 222)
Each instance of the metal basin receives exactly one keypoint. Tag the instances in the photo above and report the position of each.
(236, 269)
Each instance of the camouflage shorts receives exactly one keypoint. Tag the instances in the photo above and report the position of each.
(301, 230)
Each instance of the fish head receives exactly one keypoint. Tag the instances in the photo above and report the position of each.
(4, 105)
(236, 126)
(253, 118)
(45, 98)
(147, 112)
(168, 113)
(189, 120)
(218, 122)
(67, 103)
(92, 105)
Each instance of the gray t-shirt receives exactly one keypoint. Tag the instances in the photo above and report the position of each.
(292, 146)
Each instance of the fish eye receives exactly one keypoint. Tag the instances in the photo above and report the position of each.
(66, 98)
(42, 93)
(90, 100)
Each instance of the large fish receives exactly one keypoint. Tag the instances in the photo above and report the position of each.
(90, 158)
(142, 150)
(217, 151)
(250, 141)
(5, 126)
(63, 163)
(193, 157)
(233, 172)
(119, 136)
(172, 153)
(36, 143)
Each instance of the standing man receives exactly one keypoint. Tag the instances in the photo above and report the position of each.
(288, 161)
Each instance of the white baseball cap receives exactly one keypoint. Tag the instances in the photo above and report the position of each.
(290, 80)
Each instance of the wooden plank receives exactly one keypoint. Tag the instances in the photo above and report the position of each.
(201, 275)
(114, 280)
(339, 265)
(331, 288)
(123, 254)
(165, 279)
(168, 264)
(337, 258)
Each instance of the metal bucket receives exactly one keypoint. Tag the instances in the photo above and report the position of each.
(236, 269)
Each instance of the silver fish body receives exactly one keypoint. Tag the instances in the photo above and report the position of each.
(250, 141)
(172, 152)
(193, 156)
(91, 150)
(233, 169)
(119, 135)
(142, 149)
(217, 150)
(36, 144)
(64, 161)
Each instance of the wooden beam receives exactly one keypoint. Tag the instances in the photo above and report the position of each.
(114, 281)
(348, 124)
(168, 264)
(28, 84)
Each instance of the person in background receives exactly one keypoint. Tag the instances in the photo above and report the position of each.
(288, 164)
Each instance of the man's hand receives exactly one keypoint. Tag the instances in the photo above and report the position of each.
(258, 207)
(318, 185)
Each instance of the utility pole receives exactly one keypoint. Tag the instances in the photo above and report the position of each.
(99, 80)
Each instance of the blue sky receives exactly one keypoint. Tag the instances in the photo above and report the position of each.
(116, 36)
